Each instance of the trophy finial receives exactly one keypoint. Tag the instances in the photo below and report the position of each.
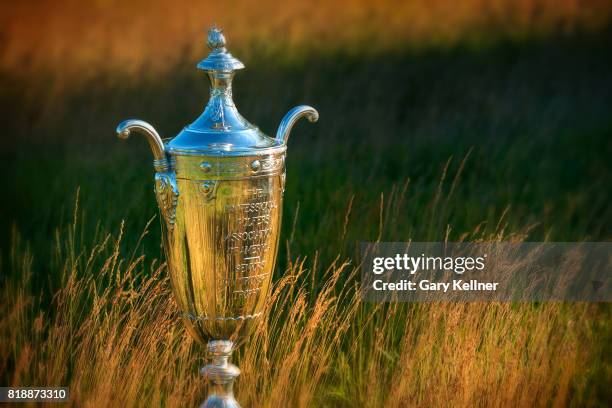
(219, 59)
(216, 39)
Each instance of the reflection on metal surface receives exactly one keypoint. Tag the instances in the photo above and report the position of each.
(219, 185)
(225, 231)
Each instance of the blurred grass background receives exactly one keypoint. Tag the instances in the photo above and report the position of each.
(439, 120)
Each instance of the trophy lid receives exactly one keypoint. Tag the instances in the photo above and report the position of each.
(220, 130)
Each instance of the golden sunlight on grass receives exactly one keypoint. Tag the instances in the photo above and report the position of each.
(115, 339)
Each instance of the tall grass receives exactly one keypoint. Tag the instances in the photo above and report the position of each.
(114, 337)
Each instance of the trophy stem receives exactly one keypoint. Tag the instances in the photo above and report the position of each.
(221, 373)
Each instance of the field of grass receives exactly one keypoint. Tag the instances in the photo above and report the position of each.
(456, 139)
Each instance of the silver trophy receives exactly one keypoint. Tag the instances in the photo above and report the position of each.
(219, 186)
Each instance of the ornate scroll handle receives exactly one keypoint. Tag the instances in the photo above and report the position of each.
(157, 146)
(166, 189)
(282, 135)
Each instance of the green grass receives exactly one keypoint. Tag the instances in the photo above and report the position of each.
(535, 116)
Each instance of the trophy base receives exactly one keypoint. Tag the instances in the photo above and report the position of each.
(221, 374)
(218, 402)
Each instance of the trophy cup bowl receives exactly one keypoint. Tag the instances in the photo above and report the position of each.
(219, 185)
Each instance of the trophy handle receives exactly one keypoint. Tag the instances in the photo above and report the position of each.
(157, 145)
(282, 135)
(166, 190)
